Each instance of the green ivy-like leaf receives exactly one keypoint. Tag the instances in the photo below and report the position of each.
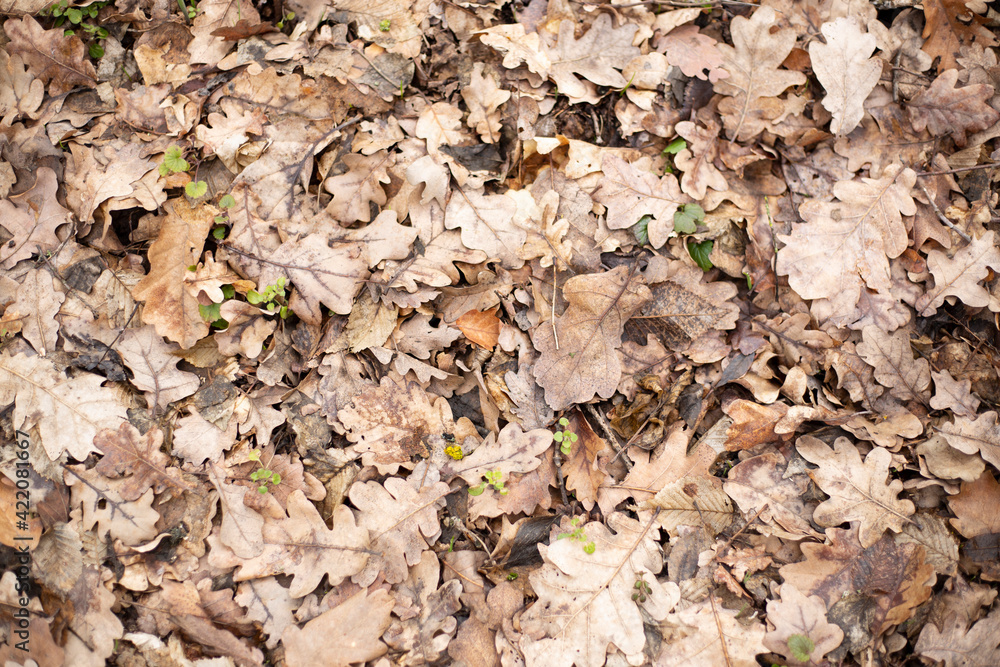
(210, 313)
(686, 219)
(196, 189)
(699, 253)
(174, 161)
(227, 201)
(801, 647)
(641, 229)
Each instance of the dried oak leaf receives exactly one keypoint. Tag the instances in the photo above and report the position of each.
(953, 395)
(960, 275)
(242, 527)
(68, 412)
(697, 161)
(858, 491)
(959, 645)
(975, 507)
(946, 31)
(598, 56)
(21, 94)
(629, 193)
(60, 61)
(893, 577)
(487, 223)
(512, 451)
(845, 245)
(329, 268)
(583, 361)
(932, 533)
(585, 599)
(482, 328)
(682, 308)
(707, 634)
(356, 189)
(944, 109)
(32, 218)
(169, 304)
(35, 307)
(303, 547)
(698, 501)
(102, 506)
(696, 54)
(345, 635)
(128, 451)
(154, 368)
(401, 518)
(798, 614)
(267, 602)
(975, 435)
(583, 474)
(847, 71)
(763, 483)
(423, 637)
(393, 423)
(891, 357)
(115, 173)
(751, 91)
(206, 46)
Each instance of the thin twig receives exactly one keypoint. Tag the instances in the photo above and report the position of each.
(957, 170)
(552, 319)
(557, 460)
(609, 435)
(942, 218)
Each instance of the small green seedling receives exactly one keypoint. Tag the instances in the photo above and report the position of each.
(699, 253)
(493, 478)
(78, 17)
(174, 163)
(642, 589)
(801, 647)
(266, 478)
(672, 149)
(578, 536)
(288, 17)
(565, 438)
(273, 298)
(219, 232)
(385, 25)
(687, 217)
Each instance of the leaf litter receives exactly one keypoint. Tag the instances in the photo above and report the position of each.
(503, 333)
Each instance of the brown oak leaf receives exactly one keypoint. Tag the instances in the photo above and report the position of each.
(847, 71)
(959, 645)
(960, 276)
(32, 218)
(512, 451)
(891, 357)
(630, 193)
(597, 56)
(944, 109)
(583, 362)
(360, 186)
(154, 367)
(59, 60)
(347, 634)
(981, 434)
(138, 458)
(798, 614)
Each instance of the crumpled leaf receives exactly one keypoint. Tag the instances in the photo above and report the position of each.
(512, 451)
(692, 502)
(708, 634)
(944, 109)
(751, 104)
(355, 190)
(969, 436)
(763, 483)
(584, 362)
(848, 74)
(154, 367)
(58, 60)
(859, 491)
(424, 637)
(585, 599)
(960, 645)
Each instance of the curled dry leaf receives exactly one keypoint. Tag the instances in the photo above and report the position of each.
(943, 109)
(797, 614)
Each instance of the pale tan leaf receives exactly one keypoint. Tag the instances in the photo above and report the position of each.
(512, 451)
(711, 635)
(35, 308)
(961, 646)
(847, 71)
(859, 491)
(597, 56)
(154, 368)
(57, 59)
(932, 533)
(138, 459)
(423, 638)
(585, 601)
(242, 527)
(891, 357)
(440, 124)
(696, 54)
(960, 276)
(360, 186)
(755, 80)
(518, 47)
(944, 109)
(401, 519)
(630, 193)
(69, 412)
(303, 547)
(763, 484)
(484, 97)
(487, 223)
(798, 614)
(698, 501)
(950, 394)
(268, 603)
(104, 510)
(32, 218)
(196, 439)
(697, 161)
(969, 436)
(347, 634)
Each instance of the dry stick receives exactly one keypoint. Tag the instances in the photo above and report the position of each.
(609, 435)
(942, 218)
(958, 170)
(557, 460)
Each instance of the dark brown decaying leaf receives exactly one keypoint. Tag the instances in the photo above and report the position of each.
(56, 59)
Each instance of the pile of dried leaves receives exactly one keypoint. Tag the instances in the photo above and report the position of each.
(500, 333)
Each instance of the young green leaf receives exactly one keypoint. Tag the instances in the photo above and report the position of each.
(196, 189)
(227, 201)
(801, 647)
(174, 160)
(687, 218)
(699, 253)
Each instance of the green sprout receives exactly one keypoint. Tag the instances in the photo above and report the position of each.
(687, 217)
(78, 18)
(384, 25)
(578, 536)
(285, 19)
(262, 475)
(699, 253)
(222, 221)
(273, 298)
(493, 478)
(173, 162)
(565, 438)
(801, 647)
(672, 149)
(642, 589)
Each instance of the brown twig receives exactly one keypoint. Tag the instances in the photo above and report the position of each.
(942, 217)
(608, 435)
